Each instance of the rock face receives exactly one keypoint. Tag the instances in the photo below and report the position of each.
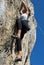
(9, 11)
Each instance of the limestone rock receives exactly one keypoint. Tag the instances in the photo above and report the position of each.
(9, 10)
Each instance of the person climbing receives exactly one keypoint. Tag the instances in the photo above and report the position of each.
(22, 25)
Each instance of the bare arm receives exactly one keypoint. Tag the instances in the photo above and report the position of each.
(21, 11)
(23, 7)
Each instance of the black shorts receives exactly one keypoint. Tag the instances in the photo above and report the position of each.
(22, 25)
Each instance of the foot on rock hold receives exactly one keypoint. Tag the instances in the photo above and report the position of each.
(18, 59)
(14, 36)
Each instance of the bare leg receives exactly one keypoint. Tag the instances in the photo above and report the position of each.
(19, 33)
(19, 52)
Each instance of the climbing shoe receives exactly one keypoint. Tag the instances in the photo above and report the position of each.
(14, 36)
(18, 59)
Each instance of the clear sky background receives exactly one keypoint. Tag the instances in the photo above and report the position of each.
(37, 56)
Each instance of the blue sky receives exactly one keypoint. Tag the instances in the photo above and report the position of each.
(37, 55)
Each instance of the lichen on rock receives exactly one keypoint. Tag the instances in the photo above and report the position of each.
(9, 10)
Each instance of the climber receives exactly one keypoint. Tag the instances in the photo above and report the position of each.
(22, 23)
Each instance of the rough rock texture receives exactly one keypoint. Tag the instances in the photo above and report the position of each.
(9, 11)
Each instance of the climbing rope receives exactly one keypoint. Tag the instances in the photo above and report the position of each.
(27, 56)
(40, 29)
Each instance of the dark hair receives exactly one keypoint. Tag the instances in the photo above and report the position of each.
(24, 11)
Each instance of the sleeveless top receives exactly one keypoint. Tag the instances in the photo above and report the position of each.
(24, 16)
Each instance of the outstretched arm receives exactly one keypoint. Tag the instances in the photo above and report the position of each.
(21, 11)
(23, 7)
